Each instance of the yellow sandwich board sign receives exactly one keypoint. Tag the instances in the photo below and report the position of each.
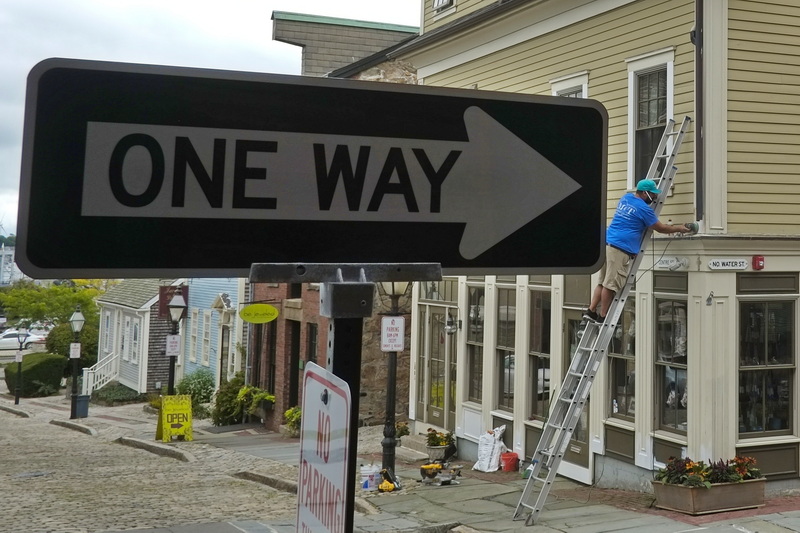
(176, 418)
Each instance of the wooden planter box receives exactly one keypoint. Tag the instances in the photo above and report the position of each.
(720, 497)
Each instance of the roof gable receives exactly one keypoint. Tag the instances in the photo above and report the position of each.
(134, 293)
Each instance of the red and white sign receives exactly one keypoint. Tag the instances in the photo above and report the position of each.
(324, 443)
(393, 333)
(173, 345)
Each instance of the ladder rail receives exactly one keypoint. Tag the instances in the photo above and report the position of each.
(571, 398)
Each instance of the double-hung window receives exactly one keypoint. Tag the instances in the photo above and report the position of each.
(650, 102)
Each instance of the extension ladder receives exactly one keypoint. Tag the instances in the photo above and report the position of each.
(571, 398)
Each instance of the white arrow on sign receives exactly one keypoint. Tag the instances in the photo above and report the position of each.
(494, 183)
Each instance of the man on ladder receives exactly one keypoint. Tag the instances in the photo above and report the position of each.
(634, 220)
(623, 236)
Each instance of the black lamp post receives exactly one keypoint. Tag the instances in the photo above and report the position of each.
(177, 306)
(394, 290)
(22, 335)
(76, 322)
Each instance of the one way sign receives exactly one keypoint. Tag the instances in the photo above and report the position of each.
(134, 170)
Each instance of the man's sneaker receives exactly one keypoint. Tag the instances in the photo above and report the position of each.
(591, 316)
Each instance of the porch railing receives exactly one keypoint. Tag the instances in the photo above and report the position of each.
(105, 370)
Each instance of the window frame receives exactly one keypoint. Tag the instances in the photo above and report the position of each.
(540, 359)
(766, 430)
(660, 393)
(505, 346)
(638, 65)
(476, 300)
(621, 407)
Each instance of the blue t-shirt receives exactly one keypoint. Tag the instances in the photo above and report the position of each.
(632, 217)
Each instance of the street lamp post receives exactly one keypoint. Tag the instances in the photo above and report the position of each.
(394, 290)
(177, 306)
(76, 322)
(22, 335)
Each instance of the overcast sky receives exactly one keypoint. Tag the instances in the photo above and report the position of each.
(227, 34)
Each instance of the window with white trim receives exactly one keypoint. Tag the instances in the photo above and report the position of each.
(135, 342)
(195, 319)
(475, 344)
(571, 86)
(767, 358)
(506, 340)
(123, 339)
(650, 106)
(438, 5)
(206, 338)
(107, 332)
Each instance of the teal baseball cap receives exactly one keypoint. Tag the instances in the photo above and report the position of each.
(647, 186)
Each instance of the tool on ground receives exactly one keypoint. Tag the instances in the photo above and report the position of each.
(389, 482)
(437, 473)
(571, 398)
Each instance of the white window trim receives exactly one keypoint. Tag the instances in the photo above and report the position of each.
(639, 65)
(136, 333)
(206, 357)
(566, 83)
(193, 336)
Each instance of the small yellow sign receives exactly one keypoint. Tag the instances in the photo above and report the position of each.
(258, 313)
(176, 418)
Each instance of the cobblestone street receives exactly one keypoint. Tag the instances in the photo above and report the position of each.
(55, 479)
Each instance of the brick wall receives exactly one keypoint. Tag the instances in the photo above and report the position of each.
(305, 310)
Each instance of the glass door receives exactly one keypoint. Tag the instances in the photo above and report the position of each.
(436, 369)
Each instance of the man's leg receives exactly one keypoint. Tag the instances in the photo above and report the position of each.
(607, 296)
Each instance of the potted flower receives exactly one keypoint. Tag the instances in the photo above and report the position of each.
(437, 442)
(255, 401)
(400, 430)
(696, 487)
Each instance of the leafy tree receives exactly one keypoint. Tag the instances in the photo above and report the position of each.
(61, 337)
(27, 302)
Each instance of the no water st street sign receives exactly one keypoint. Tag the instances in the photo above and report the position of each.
(134, 170)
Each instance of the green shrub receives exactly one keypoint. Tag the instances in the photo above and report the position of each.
(249, 397)
(227, 410)
(41, 372)
(293, 416)
(116, 393)
(199, 385)
(61, 336)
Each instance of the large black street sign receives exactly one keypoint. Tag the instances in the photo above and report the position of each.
(134, 170)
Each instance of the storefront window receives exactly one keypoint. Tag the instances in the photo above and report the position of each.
(671, 371)
(622, 362)
(506, 335)
(766, 367)
(475, 344)
(539, 353)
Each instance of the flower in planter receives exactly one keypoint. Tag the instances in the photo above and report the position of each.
(437, 438)
(401, 429)
(699, 474)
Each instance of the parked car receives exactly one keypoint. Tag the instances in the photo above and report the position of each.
(10, 341)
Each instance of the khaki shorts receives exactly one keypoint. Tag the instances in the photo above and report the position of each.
(614, 271)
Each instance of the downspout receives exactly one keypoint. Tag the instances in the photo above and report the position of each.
(699, 122)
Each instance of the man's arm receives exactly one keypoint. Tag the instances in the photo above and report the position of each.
(666, 228)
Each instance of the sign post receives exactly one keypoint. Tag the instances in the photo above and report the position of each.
(499, 183)
(324, 449)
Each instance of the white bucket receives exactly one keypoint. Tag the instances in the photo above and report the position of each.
(370, 477)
